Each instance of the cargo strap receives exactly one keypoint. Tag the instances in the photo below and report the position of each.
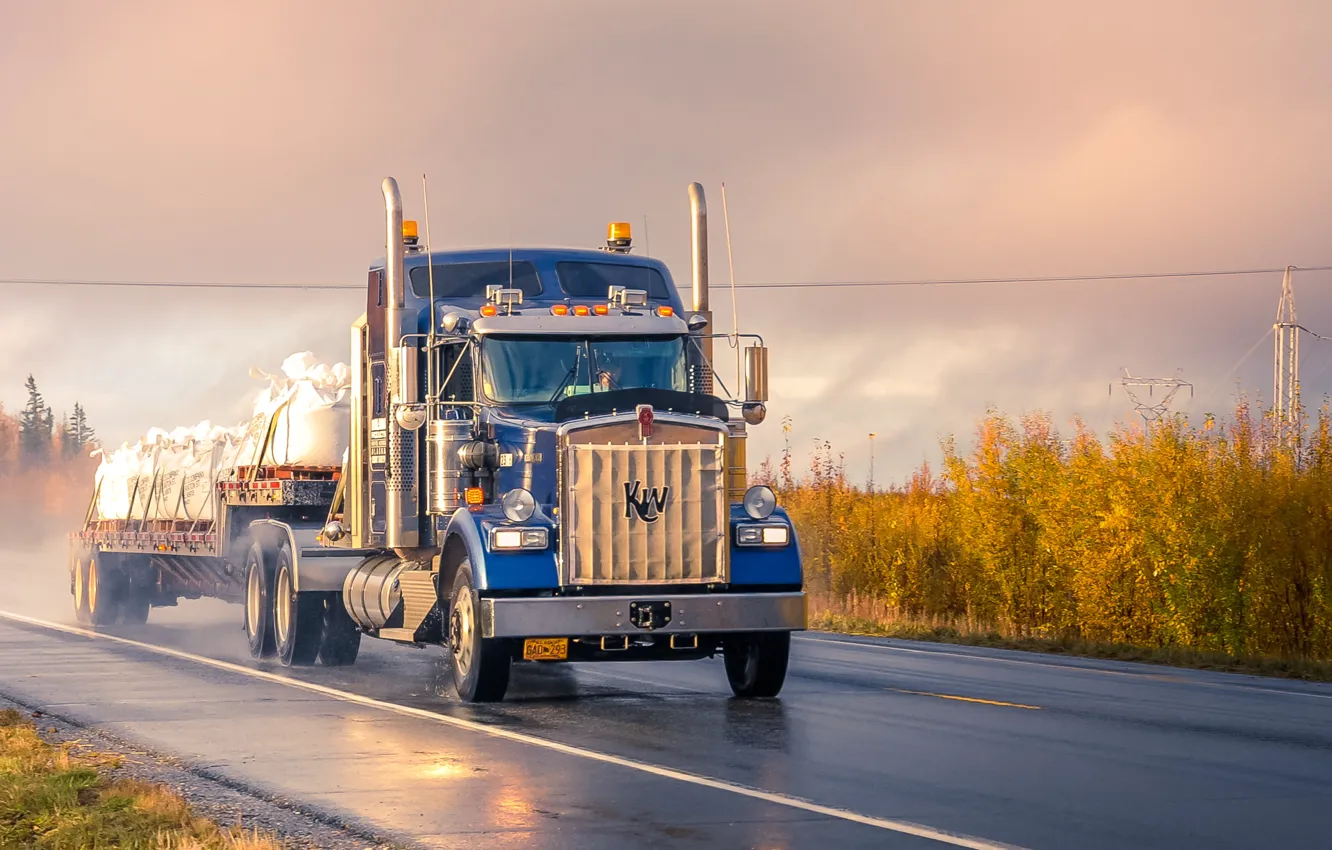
(258, 461)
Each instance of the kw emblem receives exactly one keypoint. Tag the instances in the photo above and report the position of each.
(648, 502)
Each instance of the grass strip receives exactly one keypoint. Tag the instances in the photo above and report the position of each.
(1173, 656)
(55, 798)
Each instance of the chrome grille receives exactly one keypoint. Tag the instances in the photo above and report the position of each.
(636, 513)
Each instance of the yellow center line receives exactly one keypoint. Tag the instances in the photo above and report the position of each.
(968, 699)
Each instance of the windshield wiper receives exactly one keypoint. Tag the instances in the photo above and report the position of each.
(564, 382)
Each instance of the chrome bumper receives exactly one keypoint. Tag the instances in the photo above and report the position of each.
(591, 616)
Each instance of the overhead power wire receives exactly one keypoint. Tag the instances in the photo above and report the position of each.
(1000, 280)
(816, 284)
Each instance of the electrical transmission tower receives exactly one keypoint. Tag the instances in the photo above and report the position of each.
(1156, 406)
(1286, 363)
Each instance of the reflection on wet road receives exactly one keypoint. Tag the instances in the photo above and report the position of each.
(868, 739)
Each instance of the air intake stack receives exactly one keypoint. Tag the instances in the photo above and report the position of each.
(403, 514)
(698, 229)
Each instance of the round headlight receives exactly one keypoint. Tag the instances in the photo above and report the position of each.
(760, 502)
(519, 505)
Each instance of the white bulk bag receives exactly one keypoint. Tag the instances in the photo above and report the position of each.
(112, 489)
(312, 427)
(171, 465)
(312, 409)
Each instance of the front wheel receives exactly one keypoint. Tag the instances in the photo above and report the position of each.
(756, 663)
(480, 666)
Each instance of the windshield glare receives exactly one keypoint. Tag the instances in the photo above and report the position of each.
(527, 370)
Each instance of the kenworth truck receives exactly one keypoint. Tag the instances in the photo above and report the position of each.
(539, 470)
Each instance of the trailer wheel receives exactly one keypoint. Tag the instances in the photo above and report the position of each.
(480, 665)
(756, 663)
(342, 637)
(298, 618)
(81, 612)
(137, 600)
(105, 587)
(258, 608)
(135, 607)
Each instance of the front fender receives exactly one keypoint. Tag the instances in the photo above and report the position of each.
(756, 565)
(501, 570)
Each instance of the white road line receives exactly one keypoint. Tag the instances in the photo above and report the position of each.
(904, 827)
(1055, 665)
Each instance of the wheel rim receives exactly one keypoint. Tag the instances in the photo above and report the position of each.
(252, 600)
(282, 608)
(462, 628)
(79, 590)
(92, 585)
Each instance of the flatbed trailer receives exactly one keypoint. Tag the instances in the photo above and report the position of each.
(120, 569)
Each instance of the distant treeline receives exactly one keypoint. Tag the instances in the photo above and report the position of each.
(1215, 537)
(46, 471)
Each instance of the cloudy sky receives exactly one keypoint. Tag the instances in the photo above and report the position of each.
(245, 142)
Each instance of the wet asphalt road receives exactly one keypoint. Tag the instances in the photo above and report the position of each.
(1006, 748)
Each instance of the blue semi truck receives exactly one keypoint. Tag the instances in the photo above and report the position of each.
(541, 468)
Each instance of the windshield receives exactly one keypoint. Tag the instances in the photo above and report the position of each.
(544, 370)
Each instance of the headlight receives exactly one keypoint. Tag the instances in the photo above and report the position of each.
(763, 535)
(519, 505)
(760, 502)
(504, 539)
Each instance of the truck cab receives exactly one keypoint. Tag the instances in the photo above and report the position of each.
(542, 469)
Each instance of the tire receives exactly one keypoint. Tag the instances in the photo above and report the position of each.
(80, 591)
(298, 618)
(342, 638)
(105, 588)
(480, 666)
(135, 607)
(258, 607)
(138, 598)
(756, 663)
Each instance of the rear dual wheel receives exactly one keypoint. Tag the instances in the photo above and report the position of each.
(107, 590)
(80, 590)
(104, 587)
(297, 628)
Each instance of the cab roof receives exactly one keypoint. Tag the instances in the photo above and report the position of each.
(546, 265)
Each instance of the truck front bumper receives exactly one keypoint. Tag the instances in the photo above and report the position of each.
(593, 616)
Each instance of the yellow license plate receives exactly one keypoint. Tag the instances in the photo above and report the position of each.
(545, 649)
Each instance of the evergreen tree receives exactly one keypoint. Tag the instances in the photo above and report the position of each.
(77, 435)
(36, 428)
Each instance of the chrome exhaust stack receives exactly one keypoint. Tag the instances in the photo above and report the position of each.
(403, 504)
(698, 231)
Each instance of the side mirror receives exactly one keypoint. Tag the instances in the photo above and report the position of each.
(697, 322)
(756, 373)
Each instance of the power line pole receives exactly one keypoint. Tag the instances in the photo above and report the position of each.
(1286, 360)
(1157, 406)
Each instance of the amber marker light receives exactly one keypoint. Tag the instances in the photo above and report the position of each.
(665, 311)
(581, 310)
(474, 496)
(489, 310)
(560, 310)
(601, 309)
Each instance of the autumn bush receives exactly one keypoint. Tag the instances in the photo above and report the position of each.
(1215, 537)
